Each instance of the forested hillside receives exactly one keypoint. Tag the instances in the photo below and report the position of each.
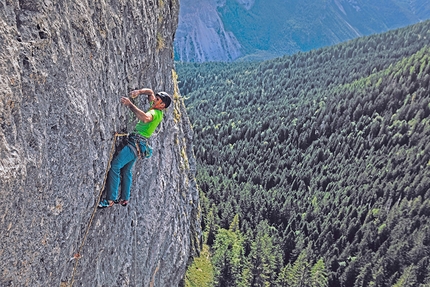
(315, 167)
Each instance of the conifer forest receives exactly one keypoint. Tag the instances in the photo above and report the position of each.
(314, 168)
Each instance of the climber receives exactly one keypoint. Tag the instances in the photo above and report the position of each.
(137, 146)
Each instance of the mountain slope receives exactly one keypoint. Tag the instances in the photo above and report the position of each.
(317, 163)
(264, 29)
(63, 67)
(202, 36)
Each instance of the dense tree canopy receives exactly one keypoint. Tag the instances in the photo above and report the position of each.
(323, 157)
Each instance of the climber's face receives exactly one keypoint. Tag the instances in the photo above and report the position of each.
(158, 103)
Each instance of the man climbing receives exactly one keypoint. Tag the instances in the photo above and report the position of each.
(122, 164)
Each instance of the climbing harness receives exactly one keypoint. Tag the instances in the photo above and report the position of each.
(78, 255)
(138, 143)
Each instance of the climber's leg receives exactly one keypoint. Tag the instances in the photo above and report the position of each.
(127, 178)
(125, 156)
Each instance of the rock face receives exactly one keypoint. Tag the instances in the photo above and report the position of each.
(63, 67)
(201, 35)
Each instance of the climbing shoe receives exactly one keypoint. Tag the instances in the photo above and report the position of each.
(123, 202)
(105, 203)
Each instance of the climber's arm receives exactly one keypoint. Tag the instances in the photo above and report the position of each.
(149, 92)
(141, 115)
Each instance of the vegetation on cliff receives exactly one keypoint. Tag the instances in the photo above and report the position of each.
(315, 167)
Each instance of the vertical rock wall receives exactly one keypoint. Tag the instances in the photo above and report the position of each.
(63, 67)
(201, 35)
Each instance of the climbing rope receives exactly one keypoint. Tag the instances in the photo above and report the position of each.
(77, 255)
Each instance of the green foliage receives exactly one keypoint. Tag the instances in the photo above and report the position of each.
(302, 273)
(200, 273)
(319, 276)
(229, 259)
(265, 257)
(296, 274)
(317, 156)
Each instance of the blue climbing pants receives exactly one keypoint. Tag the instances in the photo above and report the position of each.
(121, 166)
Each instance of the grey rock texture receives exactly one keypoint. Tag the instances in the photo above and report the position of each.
(201, 35)
(63, 67)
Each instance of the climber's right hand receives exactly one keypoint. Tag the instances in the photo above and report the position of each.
(126, 101)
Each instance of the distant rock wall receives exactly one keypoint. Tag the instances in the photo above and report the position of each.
(63, 67)
(220, 30)
(201, 36)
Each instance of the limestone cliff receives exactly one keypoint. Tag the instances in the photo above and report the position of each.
(201, 35)
(63, 67)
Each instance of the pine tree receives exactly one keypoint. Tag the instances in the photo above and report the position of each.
(265, 257)
(229, 261)
(319, 276)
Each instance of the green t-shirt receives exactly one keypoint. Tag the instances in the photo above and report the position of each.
(146, 129)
